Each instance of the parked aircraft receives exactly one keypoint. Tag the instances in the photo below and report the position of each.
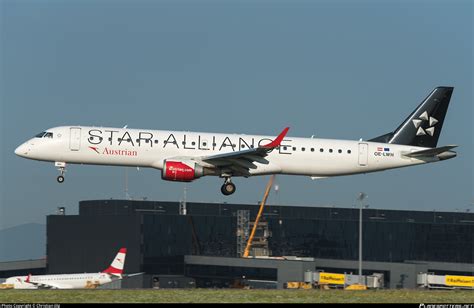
(186, 156)
(72, 281)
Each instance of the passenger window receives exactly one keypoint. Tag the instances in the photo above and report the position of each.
(339, 151)
(330, 150)
(348, 151)
(321, 150)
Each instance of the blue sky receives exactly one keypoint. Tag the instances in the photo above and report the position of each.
(335, 69)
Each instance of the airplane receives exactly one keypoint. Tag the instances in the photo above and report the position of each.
(186, 156)
(73, 281)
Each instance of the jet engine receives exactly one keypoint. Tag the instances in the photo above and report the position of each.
(183, 171)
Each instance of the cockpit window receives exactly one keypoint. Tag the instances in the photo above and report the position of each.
(44, 135)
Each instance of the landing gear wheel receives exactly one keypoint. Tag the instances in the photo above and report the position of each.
(228, 188)
(62, 169)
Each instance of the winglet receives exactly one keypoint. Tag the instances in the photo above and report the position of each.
(28, 278)
(276, 142)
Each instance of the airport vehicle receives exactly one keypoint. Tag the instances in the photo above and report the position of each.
(450, 282)
(72, 281)
(186, 156)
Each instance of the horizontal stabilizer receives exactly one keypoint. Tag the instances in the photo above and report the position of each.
(131, 275)
(430, 152)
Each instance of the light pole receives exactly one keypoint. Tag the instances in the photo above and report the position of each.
(361, 197)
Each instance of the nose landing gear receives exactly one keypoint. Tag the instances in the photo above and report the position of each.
(228, 188)
(62, 168)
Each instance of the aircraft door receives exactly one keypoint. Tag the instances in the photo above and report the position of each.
(75, 138)
(363, 154)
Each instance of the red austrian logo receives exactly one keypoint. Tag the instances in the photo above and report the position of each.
(113, 152)
(95, 149)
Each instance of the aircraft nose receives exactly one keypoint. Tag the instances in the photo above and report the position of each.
(21, 150)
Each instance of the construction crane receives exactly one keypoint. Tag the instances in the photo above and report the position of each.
(260, 211)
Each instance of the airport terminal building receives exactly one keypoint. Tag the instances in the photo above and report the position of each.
(204, 242)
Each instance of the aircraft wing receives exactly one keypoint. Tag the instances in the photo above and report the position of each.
(241, 162)
(42, 285)
(47, 285)
(430, 152)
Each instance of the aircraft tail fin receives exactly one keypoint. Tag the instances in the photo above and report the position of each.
(423, 126)
(116, 268)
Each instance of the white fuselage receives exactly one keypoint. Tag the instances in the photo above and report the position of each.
(149, 148)
(64, 281)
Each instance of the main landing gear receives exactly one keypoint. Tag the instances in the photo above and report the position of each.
(228, 188)
(62, 168)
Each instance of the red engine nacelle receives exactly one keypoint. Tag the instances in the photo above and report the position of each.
(181, 171)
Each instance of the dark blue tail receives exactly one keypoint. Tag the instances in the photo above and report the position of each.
(423, 126)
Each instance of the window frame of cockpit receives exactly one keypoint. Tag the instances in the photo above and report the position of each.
(45, 135)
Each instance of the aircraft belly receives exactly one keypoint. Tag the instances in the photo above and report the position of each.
(25, 287)
(322, 166)
(266, 169)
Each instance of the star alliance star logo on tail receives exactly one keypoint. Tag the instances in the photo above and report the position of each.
(430, 130)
